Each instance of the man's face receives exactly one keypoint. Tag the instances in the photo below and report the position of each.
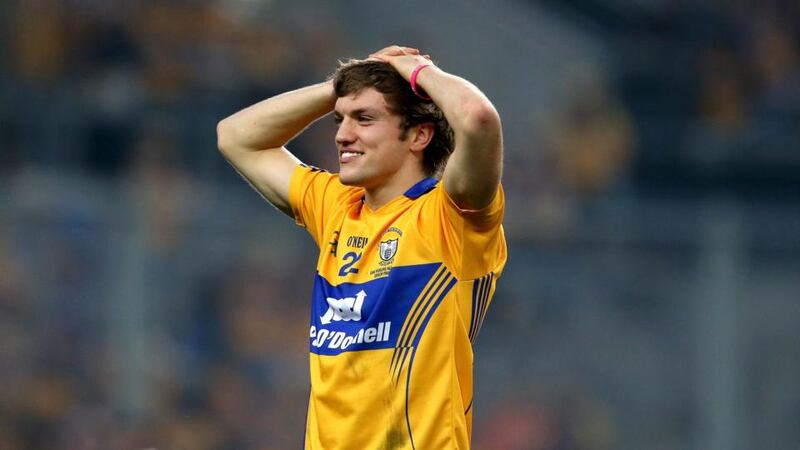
(368, 139)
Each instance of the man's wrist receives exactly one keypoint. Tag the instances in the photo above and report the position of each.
(418, 91)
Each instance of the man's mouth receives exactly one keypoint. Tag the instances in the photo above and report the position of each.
(349, 155)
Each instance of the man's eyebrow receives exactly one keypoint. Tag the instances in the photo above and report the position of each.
(358, 112)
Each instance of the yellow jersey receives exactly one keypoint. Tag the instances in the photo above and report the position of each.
(399, 296)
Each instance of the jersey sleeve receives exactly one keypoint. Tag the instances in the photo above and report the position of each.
(313, 194)
(473, 240)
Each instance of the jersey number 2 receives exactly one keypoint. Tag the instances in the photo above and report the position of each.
(350, 259)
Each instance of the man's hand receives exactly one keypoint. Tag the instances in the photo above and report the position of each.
(403, 59)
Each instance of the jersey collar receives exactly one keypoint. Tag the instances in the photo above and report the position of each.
(416, 191)
(421, 188)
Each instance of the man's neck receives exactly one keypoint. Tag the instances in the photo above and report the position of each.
(378, 196)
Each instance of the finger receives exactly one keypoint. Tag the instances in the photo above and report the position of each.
(390, 50)
(378, 57)
(396, 50)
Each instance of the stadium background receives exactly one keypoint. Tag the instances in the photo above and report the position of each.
(149, 298)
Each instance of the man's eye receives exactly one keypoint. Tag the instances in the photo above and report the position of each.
(365, 119)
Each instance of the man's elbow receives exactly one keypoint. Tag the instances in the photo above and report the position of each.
(481, 118)
(225, 136)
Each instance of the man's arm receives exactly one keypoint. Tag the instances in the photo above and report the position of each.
(472, 174)
(253, 139)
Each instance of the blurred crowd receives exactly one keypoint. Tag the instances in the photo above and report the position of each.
(147, 300)
(114, 335)
(730, 87)
(98, 77)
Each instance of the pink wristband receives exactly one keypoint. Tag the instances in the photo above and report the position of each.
(413, 80)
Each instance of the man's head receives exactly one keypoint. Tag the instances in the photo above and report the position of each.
(354, 77)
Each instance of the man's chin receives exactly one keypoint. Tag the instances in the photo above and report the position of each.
(348, 179)
(348, 183)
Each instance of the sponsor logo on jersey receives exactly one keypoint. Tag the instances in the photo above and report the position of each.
(359, 316)
(340, 340)
(344, 309)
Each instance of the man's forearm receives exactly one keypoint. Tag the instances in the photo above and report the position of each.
(275, 121)
(466, 108)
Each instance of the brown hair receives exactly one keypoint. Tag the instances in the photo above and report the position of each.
(355, 75)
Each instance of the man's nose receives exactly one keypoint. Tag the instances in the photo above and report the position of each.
(345, 134)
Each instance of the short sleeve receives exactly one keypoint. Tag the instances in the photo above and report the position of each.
(484, 219)
(473, 240)
(313, 193)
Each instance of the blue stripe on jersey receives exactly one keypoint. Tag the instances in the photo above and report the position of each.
(476, 287)
(412, 331)
(451, 281)
(364, 316)
(403, 341)
(480, 302)
(487, 289)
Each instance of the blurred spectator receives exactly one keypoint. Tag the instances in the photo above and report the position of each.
(775, 59)
(724, 108)
(162, 186)
(583, 152)
(41, 40)
(592, 138)
(573, 421)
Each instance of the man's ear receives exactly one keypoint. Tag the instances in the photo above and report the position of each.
(421, 136)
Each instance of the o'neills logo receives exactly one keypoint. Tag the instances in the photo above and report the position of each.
(341, 340)
(388, 245)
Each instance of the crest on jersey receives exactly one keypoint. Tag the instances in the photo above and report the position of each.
(388, 249)
(390, 241)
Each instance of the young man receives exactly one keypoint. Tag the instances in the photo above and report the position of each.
(407, 264)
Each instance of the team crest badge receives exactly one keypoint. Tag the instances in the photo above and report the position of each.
(390, 241)
(388, 249)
